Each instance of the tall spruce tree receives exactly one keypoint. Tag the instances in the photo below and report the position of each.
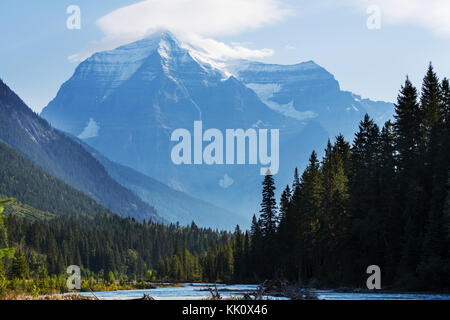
(284, 204)
(269, 225)
(296, 182)
(364, 195)
(408, 137)
(310, 221)
(19, 267)
(407, 130)
(432, 269)
(269, 218)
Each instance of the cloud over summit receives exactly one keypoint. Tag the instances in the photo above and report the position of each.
(196, 22)
(203, 17)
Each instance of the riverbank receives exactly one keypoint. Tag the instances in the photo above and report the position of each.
(52, 297)
(86, 292)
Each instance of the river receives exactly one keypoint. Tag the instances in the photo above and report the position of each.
(197, 291)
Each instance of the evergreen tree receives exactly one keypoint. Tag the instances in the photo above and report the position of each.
(284, 204)
(4, 250)
(432, 269)
(310, 220)
(19, 267)
(430, 104)
(407, 132)
(335, 215)
(268, 212)
(161, 268)
(111, 278)
(296, 182)
(342, 148)
(364, 191)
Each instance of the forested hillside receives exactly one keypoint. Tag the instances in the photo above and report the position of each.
(106, 243)
(52, 225)
(36, 250)
(63, 158)
(21, 179)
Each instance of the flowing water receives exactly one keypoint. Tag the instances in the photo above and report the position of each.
(198, 291)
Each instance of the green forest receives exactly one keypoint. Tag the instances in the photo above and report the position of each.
(21, 179)
(108, 248)
(382, 199)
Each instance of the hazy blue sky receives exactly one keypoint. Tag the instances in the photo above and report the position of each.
(36, 44)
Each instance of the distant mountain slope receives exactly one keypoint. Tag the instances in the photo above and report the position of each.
(57, 154)
(171, 204)
(126, 103)
(29, 184)
(308, 91)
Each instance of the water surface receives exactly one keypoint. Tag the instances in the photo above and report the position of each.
(197, 291)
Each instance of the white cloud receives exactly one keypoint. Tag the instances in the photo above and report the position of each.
(193, 21)
(431, 14)
(203, 17)
(91, 130)
(210, 48)
(226, 181)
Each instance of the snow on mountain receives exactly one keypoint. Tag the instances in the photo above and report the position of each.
(308, 91)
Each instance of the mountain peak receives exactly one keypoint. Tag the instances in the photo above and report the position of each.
(152, 41)
(112, 68)
(162, 35)
(309, 64)
(137, 50)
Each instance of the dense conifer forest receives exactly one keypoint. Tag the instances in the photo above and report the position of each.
(108, 248)
(21, 179)
(381, 200)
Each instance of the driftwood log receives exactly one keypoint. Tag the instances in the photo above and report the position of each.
(146, 297)
(272, 288)
(215, 295)
(280, 288)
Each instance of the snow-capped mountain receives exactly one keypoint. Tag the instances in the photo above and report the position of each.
(127, 102)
